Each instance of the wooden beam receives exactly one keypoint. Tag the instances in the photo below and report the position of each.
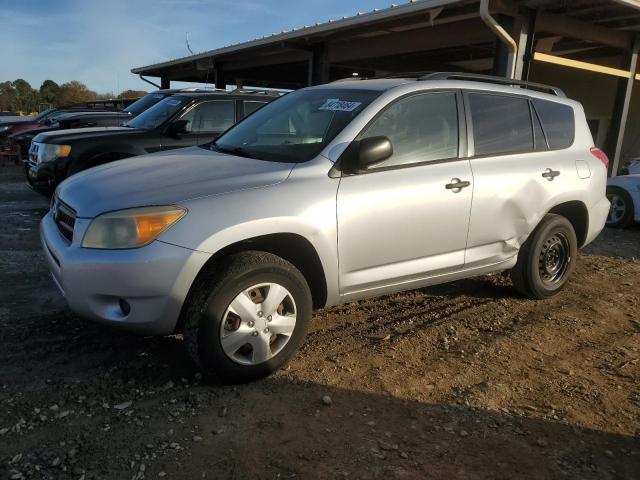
(589, 32)
(421, 40)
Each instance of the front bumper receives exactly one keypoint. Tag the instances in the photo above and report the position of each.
(153, 280)
(41, 177)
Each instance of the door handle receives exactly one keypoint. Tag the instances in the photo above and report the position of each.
(456, 185)
(550, 174)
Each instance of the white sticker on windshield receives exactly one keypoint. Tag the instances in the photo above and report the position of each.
(173, 102)
(337, 105)
(158, 96)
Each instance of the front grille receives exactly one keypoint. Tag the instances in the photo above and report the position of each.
(33, 153)
(64, 217)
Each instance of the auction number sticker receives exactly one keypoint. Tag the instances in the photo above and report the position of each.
(337, 105)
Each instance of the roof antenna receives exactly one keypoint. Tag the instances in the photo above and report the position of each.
(188, 47)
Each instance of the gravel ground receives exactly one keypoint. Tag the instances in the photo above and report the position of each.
(466, 380)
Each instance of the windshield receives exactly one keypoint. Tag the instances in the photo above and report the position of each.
(44, 114)
(297, 126)
(159, 113)
(140, 105)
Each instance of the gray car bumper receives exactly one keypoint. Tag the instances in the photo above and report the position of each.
(153, 280)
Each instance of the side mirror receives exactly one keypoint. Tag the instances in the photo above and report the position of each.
(373, 150)
(180, 127)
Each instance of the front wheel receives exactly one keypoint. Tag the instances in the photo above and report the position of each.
(546, 259)
(247, 317)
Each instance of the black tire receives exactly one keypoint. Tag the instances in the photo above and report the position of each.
(212, 295)
(553, 237)
(625, 213)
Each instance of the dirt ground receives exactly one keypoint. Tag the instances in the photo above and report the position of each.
(466, 381)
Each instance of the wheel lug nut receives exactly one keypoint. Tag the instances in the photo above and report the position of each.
(255, 334)
(260, 313)
(251, 323)
(266, 330)
(269, 318)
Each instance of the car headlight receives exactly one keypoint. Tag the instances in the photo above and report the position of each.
(131, 228)
(49, 152)
(4, 129)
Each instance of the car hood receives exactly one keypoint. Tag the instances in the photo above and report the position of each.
(63, 136)
(31, 132)
(165, 179)
(9, 121)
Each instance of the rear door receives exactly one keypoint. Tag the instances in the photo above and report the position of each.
(403, 221)
(516, 175)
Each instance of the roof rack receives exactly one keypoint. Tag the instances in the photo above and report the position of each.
(255, 91)
(492, 79)
(349, 79)
(201, 89)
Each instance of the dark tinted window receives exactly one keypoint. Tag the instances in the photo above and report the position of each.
(158, 114)
(421, 128)
(145, 102)
(501, 124)
(538, 135)
(558, 123)
(213, 117)
(251, 106)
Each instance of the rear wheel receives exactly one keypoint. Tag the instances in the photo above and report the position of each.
(546, 259)
(621, 213)
(247, 317)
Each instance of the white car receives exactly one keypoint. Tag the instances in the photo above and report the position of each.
(624, 194)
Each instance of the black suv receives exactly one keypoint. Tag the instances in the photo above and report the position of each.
(66, 119)
(184, 119)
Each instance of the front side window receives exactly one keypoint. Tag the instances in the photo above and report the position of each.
(501, 124)
(211, 117)
(159, 113)
(296, 127)
(421, 128)
(557, 122)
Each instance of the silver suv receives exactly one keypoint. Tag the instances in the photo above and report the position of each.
(329, 194)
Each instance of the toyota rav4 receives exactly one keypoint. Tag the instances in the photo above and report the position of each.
(330, 194)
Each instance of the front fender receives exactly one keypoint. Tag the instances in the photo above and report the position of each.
(304, 204)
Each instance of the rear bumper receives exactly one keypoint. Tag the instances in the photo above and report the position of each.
(598, 214)
(153, 280)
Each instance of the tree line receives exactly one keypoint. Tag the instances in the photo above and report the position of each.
(20, 96)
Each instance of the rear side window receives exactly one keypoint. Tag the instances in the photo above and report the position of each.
(558, 123)
(501, 124)
(251, 106)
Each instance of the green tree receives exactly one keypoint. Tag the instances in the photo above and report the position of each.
(76, 92)
(50, 92)
(8, 98)
(132, 94)
(27, 97)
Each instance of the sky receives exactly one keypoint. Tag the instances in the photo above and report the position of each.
(98, 41)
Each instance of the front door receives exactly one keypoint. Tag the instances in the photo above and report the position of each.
(405, 220)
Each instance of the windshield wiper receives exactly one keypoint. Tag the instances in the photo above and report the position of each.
(233, 150)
